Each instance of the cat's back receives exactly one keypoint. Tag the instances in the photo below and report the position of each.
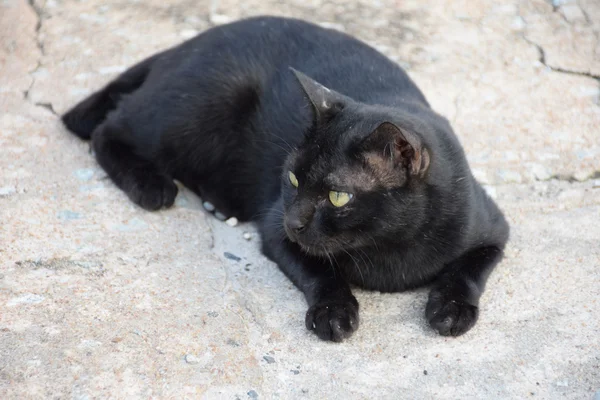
(261, 50)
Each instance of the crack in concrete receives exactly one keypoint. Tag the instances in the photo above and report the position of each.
(542, 59)
(542, 52)
(560, 177)
(39, 12)
(572, 179)
(28, 90)
(38, 26)
(588, 20)
(556, 8)
(47, 106)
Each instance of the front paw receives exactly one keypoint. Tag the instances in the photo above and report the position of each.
(333, 320)
(151, 191)
(450, 316)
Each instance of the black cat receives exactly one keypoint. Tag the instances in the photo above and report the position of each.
(351, 177)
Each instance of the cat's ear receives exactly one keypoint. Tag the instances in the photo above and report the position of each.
(325, 102)
(398, 147)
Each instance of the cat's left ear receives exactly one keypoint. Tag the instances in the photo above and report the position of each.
(399, 147)
(325, 102)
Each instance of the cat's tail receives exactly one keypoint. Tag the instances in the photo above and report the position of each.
(91, 112)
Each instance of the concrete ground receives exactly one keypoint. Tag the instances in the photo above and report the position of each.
(100, 299)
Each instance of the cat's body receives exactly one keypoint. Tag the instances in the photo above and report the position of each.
(226, 115)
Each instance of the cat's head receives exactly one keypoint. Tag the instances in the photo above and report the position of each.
(359, 177)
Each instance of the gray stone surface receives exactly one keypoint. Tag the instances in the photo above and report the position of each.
(99, 299)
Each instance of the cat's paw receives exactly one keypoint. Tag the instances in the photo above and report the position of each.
(450, 316)
(152, 192)
(333, 320)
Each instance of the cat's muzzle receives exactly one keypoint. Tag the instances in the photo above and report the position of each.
(293, 228)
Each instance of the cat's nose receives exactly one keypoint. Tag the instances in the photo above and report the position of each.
(295, 225)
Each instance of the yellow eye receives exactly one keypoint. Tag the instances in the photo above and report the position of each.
(339, 199)
(293, 179)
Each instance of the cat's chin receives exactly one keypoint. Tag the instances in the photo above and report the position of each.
(319, 249)
(312, 249)
(315, 250)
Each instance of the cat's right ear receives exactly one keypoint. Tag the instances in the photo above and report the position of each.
(326, 102)
(397, 147)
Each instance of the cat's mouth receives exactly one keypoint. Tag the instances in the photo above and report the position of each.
(317, 249)
(308, 247)
(316, 246)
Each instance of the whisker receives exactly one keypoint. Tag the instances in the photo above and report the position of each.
(287, 151)
(367, 256)
(356, 265)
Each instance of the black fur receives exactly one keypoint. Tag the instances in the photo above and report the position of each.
(229, 114)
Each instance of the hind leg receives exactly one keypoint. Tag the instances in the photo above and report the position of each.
(143, 181)
(92, 111)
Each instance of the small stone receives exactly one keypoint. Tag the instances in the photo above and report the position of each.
(490, 190)
(191, 359)
(7, 190)
(295, 371)
(509, 176)
(481, 175)
(587, 91)
(28, 298)
(219, 216)
(424, 372)
(252, 394)
(188, 33)
(213, 314)
(582, 175)
(333, 25)
(84, 174)
(518, 24)
(540, 172)
(219, 19)
(269, 359)
(231, 256)
(247, 236)
(233, 221)
(113, 69)
(208, 206)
